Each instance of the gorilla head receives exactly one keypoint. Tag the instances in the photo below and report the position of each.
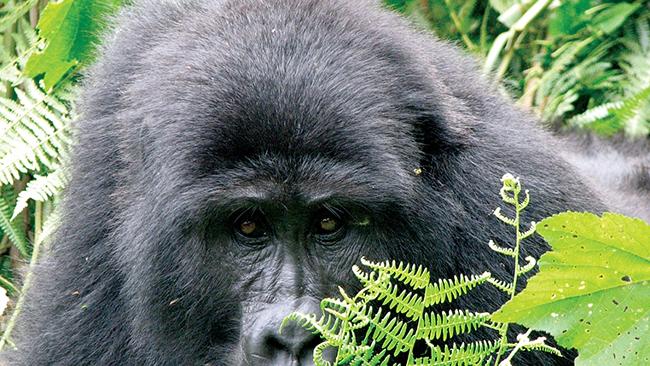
(235, 158)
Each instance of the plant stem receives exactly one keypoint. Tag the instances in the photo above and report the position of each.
(459, 26)
(518, 209)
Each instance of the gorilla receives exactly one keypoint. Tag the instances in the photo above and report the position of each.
(233, 160)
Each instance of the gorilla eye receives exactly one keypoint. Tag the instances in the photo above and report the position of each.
(248, 227)
(328, 227)
(251, 226)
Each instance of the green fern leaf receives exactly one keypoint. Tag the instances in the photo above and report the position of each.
(404, 302)
(504, 286)
(319, 360)
(34, 131)
(446, 325)
(12, 228)
(415, 276)
(465, 354)
(328, 326)
(395, 334)
(9, 13)
(40, 189)
(447, 290)
(542, 347)
(365, 356)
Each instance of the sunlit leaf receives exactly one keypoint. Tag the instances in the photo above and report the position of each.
(613, 17)
(592, 292)
(70, 29)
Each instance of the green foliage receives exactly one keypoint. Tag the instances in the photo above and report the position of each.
(11, 12)
(10, 226)
(510, 192)
(574, 62)
(586, 62)
(392, 314)
(593, 291)
(35, 130)
(70, 29)
(40, 189)
(37, 89)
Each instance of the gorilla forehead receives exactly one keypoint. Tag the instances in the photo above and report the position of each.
(251, 94)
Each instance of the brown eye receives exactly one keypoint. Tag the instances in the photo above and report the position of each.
(329, 225)
(251, 226)
(247, 227)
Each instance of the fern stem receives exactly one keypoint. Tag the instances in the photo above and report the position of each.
(518, 237)
(518, 209)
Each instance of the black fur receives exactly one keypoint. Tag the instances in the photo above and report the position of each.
(198, 109)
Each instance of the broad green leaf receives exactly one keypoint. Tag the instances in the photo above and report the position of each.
(70, 30)
(613, 16)
(592, 291)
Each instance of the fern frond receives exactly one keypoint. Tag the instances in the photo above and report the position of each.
(371, 280)
(594, 114)
(409, 274)
(40, 189)
(499, 249)
(13, 59)
(465, 354)
(319, 360)
(531, 262)
(530, 231)
(328, 326)
(395, 334)
(446, 325)
(12, 228)
(502, 285)
(34, 131)
(364, 356)
(333, 303)
(502, 217)
(404, 302)
(447, 290)
(542, 347)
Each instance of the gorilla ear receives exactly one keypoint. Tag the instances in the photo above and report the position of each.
(441, 131)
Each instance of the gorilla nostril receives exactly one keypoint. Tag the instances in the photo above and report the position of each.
(274, 344)
(293, 340)
(289, 344)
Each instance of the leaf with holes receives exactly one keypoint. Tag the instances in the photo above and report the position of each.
(592, 291)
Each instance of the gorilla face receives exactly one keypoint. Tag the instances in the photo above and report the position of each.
(235, 158)
(288, 173)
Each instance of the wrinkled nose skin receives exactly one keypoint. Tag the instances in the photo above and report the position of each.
(294, 346)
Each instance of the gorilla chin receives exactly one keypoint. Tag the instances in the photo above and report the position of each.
(235, 158)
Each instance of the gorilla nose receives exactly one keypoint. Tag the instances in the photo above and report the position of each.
(290, 346)
(293, 340)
